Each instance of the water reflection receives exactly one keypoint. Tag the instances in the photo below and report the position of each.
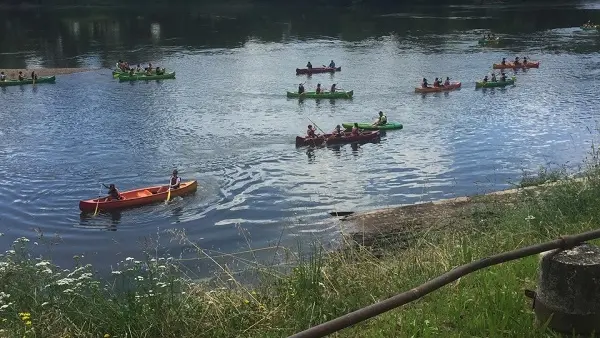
(111, 31)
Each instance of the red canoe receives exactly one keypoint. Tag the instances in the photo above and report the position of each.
(317, 70)
(138, 197)
(451, 86)
(330, 139)
(529, 64)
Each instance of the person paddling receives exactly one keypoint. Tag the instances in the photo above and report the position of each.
(424, 83)
(503, 77)
(33, 75)
(447, 82)
(332, 64)
(485, 79)
(355, 130)
(503, 62)
(175, 180)
(309, 65)
(494, 77)
(319, 90)
(516, 63)
(332, 88)
(310, 133)
(113, 193)
(337, 132)
(382, 120)
(2, 77)
(21, 77)
(301, 89)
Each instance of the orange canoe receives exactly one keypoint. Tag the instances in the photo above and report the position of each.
(529, 64)
(138, 197)
(451, 86)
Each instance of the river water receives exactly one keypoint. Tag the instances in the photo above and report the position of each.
(226, 122)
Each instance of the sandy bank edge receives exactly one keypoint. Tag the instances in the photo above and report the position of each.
(12, 73)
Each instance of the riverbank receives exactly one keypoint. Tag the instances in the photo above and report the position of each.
(13, 73)
(150, 298)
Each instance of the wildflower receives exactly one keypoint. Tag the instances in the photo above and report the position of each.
(28, 323)
(106, 335)
(68, 291)
(116, 272)
(65, 281)
(44, 304)
(246, 301)
(42, 263)
(129, 259)
(139, 278)
(529, 218)
(4, 307)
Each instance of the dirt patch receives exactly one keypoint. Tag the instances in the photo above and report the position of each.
(13, 73)
(400, 226)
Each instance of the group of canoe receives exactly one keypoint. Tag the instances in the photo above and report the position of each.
(487, 82)
(353, 132)
(590, 26)
(125, 72)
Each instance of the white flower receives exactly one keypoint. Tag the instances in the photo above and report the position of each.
(153, 260)
(529, 218)
(68, 291)
(64, 281)
(45, 303)
(116, 272)
(139, 278)
(42, 263)
(4, 307)
(161, 284)
(137, 262)
(129, 259)
(12, 252)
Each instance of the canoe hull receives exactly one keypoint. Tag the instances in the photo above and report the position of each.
(330, 139)
(452, 86)
(370, 126)
(138, 197)
(43, 79)
(146, 77)
(317, 70)
(510, 65)
(327, 95)
(117, 73)
(508, 82)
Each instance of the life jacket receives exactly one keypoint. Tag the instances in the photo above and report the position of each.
(114, 193)
(175, 180)
(383, 119)
(2, 77)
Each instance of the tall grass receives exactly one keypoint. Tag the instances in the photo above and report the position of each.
(153, 298)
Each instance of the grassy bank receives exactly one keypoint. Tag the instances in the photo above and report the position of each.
(151, 298)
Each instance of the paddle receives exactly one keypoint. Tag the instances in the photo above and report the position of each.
(316, 125)
(168, 193)
(98, 201)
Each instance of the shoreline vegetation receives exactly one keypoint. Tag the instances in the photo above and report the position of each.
(153, 297)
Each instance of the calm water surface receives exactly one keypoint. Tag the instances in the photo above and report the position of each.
(226, 122)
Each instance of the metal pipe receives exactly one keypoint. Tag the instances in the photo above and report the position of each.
(334, 325)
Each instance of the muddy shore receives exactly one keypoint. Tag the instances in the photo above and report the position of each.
(13, 73)
(399, 225)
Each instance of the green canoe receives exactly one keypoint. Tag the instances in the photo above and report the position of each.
(116, 73)
(42, 79)
(489, 84)
(326, 95)
(146, 77)
(370, 126)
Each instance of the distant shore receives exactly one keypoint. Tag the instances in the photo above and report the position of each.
(12, 73)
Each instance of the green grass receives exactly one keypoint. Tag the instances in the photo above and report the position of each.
(152, 298)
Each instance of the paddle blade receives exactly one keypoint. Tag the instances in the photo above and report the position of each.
(97, 205)
(168, 195)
